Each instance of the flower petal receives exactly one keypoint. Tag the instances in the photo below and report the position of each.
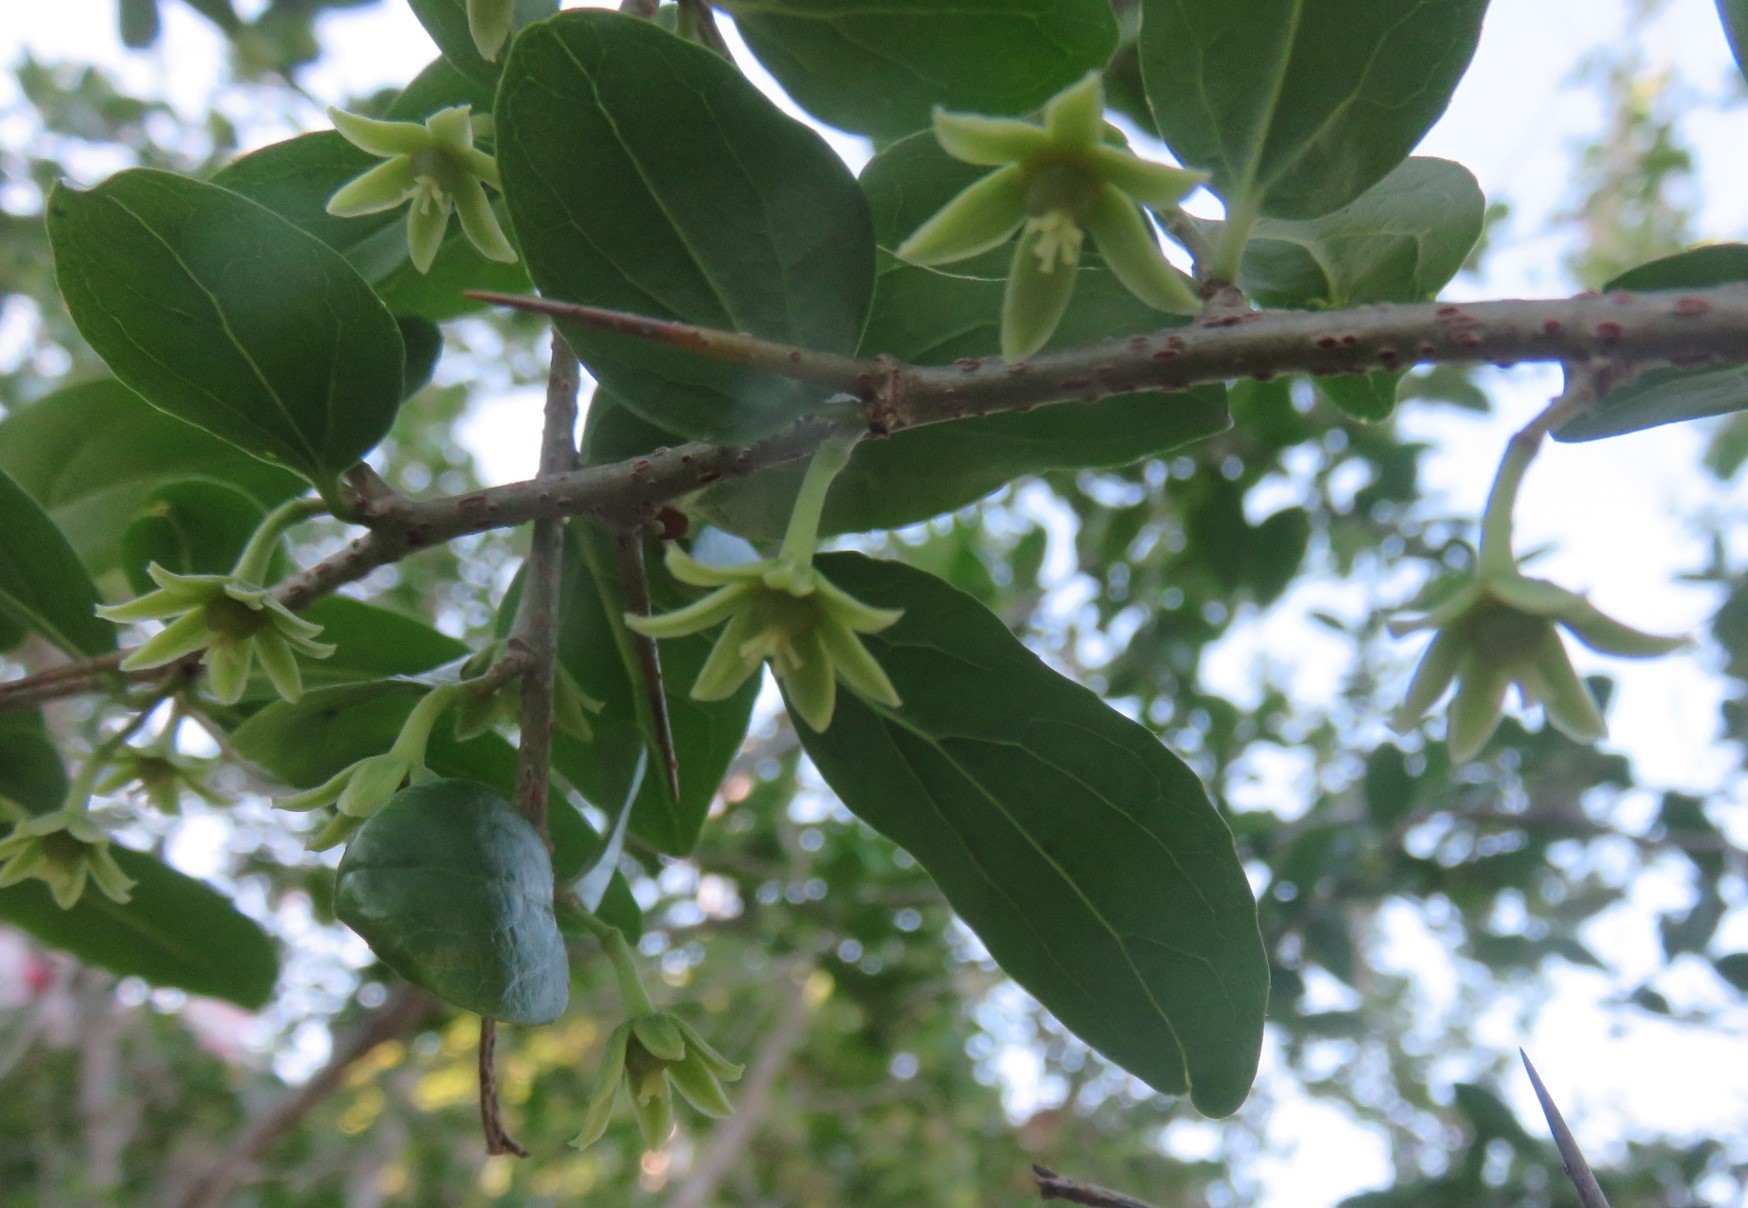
(153, 606)
(855, 665)
(600, 1106)
(713, 1061)
(687, 569)
(480, 225)
(729, 665)
(1075, 117)
(372, 783)
(987, 141)
(1035, 298)
(452, 128)
(694, 617)
(279, 664)
(66, 882)
(700, 1087)
(809, 683)
(1131, 252)
(1151, 184)
(1570, 707)
(1476, 709)
(653, 1105)
(325, 793)
(1438, 666)
(1604, 634)
(985, 215)
(863, 618)
(427, 222)
(658, 1035)
(228, 661)
(184, 635)
(1537, 597)
(333, 834)
(378, 137)
(383, 187)
(107, 875)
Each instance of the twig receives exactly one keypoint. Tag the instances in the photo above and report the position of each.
(753, 1100)
(1053, 1186)
(1571, 1157)
(536, 625)
(634, 582)
(491, 1112)
(405, 1007)
(702, 21)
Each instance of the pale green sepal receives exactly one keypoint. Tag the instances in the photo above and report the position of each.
(1075, 117)
(729, 664)
(1535, 596)
(373, 781)
(152, 606)
(696, 616)
(855, 666)
(987, 141)
(183, 636)
(1475, 712)
(480, 225)
(658, 1035)
(378, 137)
(1036, 297)
(713, 1060)
(653, 1106)
(863, 618)
(228, 669)
(1438, 666)
(279, 664)
(426, 222)
(813, 690)
(489, 23)
(1606, 635)
(381, 188)
(700, 1087)
(1566, 698)
(689, 570)
(1131, 252)
(337, 830)
(452, 127)
(985, 215)
(325, 793)
(1157, 185)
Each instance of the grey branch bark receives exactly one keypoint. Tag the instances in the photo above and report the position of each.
(1053, 1186)
(1686, 328)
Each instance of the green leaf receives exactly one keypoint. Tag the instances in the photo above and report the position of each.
(446, 22)
(1733, 968)
(236, 321)
(92, 455)
(1399, 241)
(453, 890)
(1367, 397)
(1734, 14)
(1084, 854)
(43, 587)
(1669, 396)
(878, 67)
(192, 528)
(423, 341)
(175, 932)
(595, 647)
(31, 772)
(1296, 107)
(614, 207)
(922, 316)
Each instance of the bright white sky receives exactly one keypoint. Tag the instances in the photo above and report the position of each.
(1617, 514)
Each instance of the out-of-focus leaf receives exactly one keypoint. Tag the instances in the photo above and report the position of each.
(43, 588)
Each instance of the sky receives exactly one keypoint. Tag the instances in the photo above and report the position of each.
(1617, 515)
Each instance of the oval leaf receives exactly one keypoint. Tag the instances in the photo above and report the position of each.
(614, 207)
(1734, 14)
(453, 890)
(31, 772)
(235, 320)
(879, 67)
(43, 587)
(1298, 107)
(1086, 856)
(176, 932)
(191, 528)
(1668, 396)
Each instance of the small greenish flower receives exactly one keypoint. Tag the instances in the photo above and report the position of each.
(159, 776)
(782, 610)
(63, 849)
(1059, 182)
(489, 23)
(477, 711)
(359, 789)
(229, 617)
(433, 164)
(1500, 629)
(652, 1055)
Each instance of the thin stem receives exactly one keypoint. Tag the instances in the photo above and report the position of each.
(1189, 234)
(624, 960)
(634, 582)
(1496, 556)
(257, 556)
(491, 1111)
(415, 733)
(1053, 1186)
(1234, 234)
(802, 536)
(536, 625)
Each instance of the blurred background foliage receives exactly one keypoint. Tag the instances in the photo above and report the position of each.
(889, 1064)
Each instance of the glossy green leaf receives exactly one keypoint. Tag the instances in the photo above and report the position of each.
(879, 67)
(93, 454)
(595, 647)
(923, 316)
(31, 772)
(1399, 241)
(176, 932)
(446, 22)
(1668, 396)
(1367, 397)
(613, 208)
(43, 587)
(1297, 107)
(192, 528)
(453, 890)
(237, 321)
(1084, 854)
(1734, 14)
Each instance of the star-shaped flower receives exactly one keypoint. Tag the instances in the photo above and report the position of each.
(783, 610)
(433, 164)
(1500, 629)
(1060, 182)
(359, 789)
(652, 1055)
(229, 617)
(63, 849)
(159, 776)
